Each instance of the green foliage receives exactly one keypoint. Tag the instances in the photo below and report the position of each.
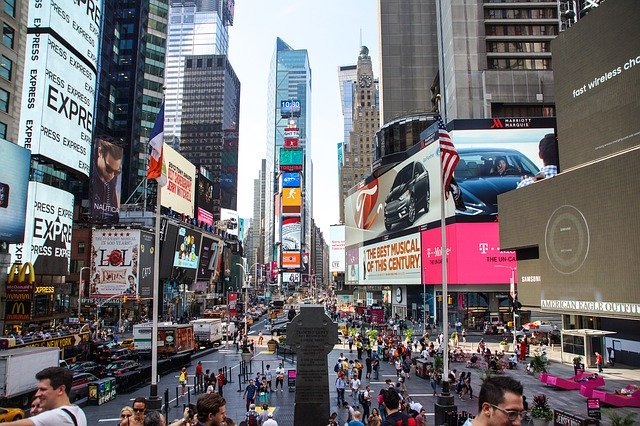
(282, 339)
(619, 420)
(538, 363)
(408, 333)
(372, 335)
(438, 363)
(577, 360)
(541, 409)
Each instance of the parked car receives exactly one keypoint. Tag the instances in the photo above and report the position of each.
(409, 194)
(80, 386)
(124, 354)
(121, 367)
(88, 367)
(11, 414)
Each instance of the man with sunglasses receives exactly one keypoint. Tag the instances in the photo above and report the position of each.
(105, 200)
(499, 403)
(139, 410)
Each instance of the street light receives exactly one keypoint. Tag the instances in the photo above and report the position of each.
(512, 291)
(81, 289)
(246, 296)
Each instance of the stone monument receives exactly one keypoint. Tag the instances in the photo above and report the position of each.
(312, 336)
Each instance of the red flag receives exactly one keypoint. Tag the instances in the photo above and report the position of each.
(448, 155)
(156, 142)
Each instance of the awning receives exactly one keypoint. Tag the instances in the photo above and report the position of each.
(587, 332)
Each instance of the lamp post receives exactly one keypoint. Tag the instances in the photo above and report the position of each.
(246, 295)
(81, 290)
(512, 291)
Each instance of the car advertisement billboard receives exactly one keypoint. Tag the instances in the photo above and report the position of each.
(115, 256)
(106, 179)
(48, 229)
(187, 248)
(291, 234)
(179, 192)
(290, 180)
(145, 265)
(473, 254)
(56, 119)
(290, 260)
(336, 248)
(232, 221)
(204, 199)
(393, 261)
(597, 100)
(14, 163)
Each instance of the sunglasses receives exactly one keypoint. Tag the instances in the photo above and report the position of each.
(512, 415)
(124, 416)
(139, 410)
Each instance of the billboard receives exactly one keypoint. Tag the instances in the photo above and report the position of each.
(336, 248)
(106, 179)
(208, 249)
(597, 100)
(352, 275)
(168, 237)
(145, 265)
(204, 199)
(48, 228)
(179, 193)
(232, 220)
(291, 234)
(115, 257)
(291, 180)
(56, 119)
(290, 108)
(14, 163)
(291, 197)
(291, 160)
(187, 248)
(290, 259)
(472, 257)
(394, 261)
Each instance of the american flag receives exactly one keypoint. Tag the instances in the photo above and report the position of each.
(448, 155)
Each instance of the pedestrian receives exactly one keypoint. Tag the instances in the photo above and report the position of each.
(36, 408)
(368, 365)
(264, 391)
(357, 415)
(182, 379)
(612, 356)
(366, 402)
(374, 418)
(280, 377)
(375, 364)
(350, 341)
(211, 410)
(139, 411)
(154, 418)
(599, 362)
(54, 386)
(268, 374)
(391, 400)
(250, 394)
(340, 386)
(252, 416)
(260, 338)
(270, 421)
(355, 389)
(199, 377)
(221, 380)
(433, 381)
(499, 402)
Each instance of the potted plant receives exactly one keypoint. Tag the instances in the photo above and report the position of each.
(408, 334)
(504, 344)
(618, 420)
(282, 339)
(246, 354)
(272, 345)
(541, 413)
(577, 364)
(539, 363)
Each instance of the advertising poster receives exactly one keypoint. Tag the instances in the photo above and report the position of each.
(48, 229)
(395, 261)
(56, 119)
(209, 247)
(179, 193)
(291, 234)
(290, 260)
(291, 200)
(277, 225)
(291, 160)
(290, 277)
(14, 163)
(167, 252)
(115, 256)
(233, 304)
(353, 266)
(291, 180)
(232, 221)
(204, 200)
(216, 258)
(336, 248)
(106, 179)
(473, 254)
(187, 248)
(145, 277)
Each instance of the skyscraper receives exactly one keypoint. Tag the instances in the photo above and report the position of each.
(289, 79)
(196, 27)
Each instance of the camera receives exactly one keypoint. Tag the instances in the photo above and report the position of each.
(192, 410)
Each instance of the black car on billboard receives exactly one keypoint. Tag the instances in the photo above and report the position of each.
(483, 173)
(409, 194)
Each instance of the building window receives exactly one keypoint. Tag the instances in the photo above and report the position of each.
(10, 7)
(4, 100)
(3, 130)
(5, 68)
(81, 246)
(7, 36)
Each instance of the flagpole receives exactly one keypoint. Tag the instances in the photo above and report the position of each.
(445, 296)
(153, 395)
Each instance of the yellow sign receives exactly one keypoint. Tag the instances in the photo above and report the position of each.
(44, 290)
(22, 273)
(291, 197)
(17, 311)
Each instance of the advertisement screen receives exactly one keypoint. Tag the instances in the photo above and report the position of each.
(336, 248)
(216, 258)
(290, 180)
(168, 237)
(353, 266)
(291, 197)
(232, 221)
(56, 119)
(187, 248)
(145, 277)
(48, 229)
(209, 248)
(14, 163)
(115, 255)
(291, 260)
(291, 234)
(106, 179)
(393, 261)
(597, 101)
(179, 193)
(474, 252)
(290, 108)
(204, 200)
(291, 159)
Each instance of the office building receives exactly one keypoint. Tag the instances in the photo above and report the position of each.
(255, 248)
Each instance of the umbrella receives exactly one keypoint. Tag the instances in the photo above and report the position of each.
(530, 326)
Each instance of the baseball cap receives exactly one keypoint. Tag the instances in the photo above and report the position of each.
(270, 415)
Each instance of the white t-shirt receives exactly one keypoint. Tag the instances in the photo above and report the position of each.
(280, 371)
(355, 384)
(59, 417)
(268, 375)
(270, 422)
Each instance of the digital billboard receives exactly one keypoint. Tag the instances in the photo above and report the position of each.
(290, 260)
(208, 249)
(290, 108)
(352, 275)
(168, 237)
(204, 199)
(393, 261)
(232, 221)
(291, 234)
(597, 101)
(179, 193)
(290, 180)
(14, 163)
(336, 248)
(291, 160)
(115, 257)
(106, 180)
(473, 254)
(291, 197)
(145, 266)
(56, 119)
(187, 248)
(48, 229)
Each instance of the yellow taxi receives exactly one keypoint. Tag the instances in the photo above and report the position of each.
(11, 414)
(127, 343)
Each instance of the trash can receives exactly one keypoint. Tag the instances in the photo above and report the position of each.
(102, 391)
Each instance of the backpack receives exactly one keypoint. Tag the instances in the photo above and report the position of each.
(400, 419)
(361, 399)
(224, 381)
(252, 420)
(336, 368)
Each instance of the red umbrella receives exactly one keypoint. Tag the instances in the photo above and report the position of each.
(530, 326)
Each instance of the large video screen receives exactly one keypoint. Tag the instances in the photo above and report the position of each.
(596, 72)
(187, 248)
(106, 180)
(14, 163)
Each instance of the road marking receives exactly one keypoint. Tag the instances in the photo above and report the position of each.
(210, 361)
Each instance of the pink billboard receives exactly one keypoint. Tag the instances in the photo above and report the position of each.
(473, 253)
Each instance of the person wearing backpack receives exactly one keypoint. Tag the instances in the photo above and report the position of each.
(252, 416)
(365, 402)
(392, 407)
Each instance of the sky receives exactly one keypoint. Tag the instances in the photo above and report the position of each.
(330, 31)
